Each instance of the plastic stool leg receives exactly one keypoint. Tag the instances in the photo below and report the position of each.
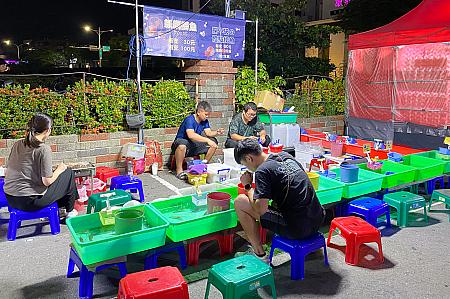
(272, 288)
(122, 269)
(141, 193)
(208, 285)
(151, 262)
(425, 212)
(272, 249)
(182, 254)
(325, 255)
(297, 265)
(12, 226)
(330, 233)
(70, 267)
(388, 218)
(84, 282)
(380, 250)
(89, 284)
(54, 221)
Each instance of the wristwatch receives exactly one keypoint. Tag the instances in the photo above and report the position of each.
(248, 187)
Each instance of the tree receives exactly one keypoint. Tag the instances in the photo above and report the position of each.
(283, 36)
(363, 15)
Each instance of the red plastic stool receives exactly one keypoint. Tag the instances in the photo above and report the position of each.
(225, 240)
(159, 283)
(355, 231)
(104, 173)
(319, 163)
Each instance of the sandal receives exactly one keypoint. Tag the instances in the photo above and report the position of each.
(182, 176)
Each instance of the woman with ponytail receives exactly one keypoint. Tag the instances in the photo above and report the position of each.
(30, 183)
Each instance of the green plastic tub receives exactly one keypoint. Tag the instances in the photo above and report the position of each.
(401, 174)
(437, 156)
(187, 221)
(426, 168)
(278, 118)
(329, 191)
(96, 243)
(368, 182)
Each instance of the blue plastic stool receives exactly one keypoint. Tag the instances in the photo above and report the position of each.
(17, 216)
(298, 249)
(370, 208)
(125, 182)
(151, 258)
(86, 286)
(3, 201)
(431, 184)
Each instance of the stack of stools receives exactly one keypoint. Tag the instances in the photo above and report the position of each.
(3, 201)
(151, 258)
(370, 209)
(97, 201)
(403, 202)
(17, 216)
(356, 232)
(224, 239)
(298, 250)
(86, 286)
(105, 174)
(131, 183)
(442, 195)
(239, 276)
(159, 283)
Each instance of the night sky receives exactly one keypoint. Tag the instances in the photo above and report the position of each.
(64, 19)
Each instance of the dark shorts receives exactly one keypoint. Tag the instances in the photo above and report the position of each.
(192, 148)
(274, 221)
(230, 143)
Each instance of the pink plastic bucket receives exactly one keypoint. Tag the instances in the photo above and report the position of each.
(336, 149)
(218, 201)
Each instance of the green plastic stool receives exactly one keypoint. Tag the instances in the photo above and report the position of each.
(403, 202)
(442, 195)
(239, 276)
(98, 200)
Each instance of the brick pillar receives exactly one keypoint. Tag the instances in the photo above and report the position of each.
(216, 81)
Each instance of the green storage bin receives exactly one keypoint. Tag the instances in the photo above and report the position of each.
(187, 221)
(329, 190)
(214, 187)
(96, 243)
(426, 168)
(403, 174)
(278, 118)
(437, 156)
(368, 182)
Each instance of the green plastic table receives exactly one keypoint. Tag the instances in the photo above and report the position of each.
(403, 202)
(239, 276)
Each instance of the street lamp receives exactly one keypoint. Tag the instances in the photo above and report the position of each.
(99, 34)
(9, 43)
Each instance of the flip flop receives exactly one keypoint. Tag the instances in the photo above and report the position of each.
(182, 176)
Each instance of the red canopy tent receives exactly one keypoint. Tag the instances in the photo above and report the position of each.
(398, 75)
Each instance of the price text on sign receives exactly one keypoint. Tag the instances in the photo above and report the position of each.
(366, 148)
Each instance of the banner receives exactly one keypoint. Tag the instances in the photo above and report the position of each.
(175, 33)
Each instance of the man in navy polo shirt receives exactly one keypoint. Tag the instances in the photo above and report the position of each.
(194, 136)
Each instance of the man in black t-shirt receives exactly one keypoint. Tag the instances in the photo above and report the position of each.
(295, 212)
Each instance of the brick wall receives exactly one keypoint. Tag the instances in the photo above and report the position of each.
(332, 124)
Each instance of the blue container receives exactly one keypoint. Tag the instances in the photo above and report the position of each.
(349, 173)
(444, 151)
(328, 174)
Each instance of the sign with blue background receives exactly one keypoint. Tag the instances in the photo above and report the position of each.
(175, 33)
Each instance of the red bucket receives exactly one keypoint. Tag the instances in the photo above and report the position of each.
(276, 148)
(218, 201)
(265, 150)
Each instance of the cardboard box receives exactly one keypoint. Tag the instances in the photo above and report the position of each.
(269, 100)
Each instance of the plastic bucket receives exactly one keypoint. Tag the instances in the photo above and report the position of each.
(265, 150)
(336, 149)
(314, 178)
(218, 201)
(128, 221)
(241, 189)
(349, 173)
(276, 148)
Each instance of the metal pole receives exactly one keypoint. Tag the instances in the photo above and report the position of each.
(256, 55)
(138, 72)
(99, 33)
(227, 8)
(18, 52)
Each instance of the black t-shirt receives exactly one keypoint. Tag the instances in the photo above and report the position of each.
(282, 179)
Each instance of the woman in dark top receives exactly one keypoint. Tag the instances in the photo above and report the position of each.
(30, 183)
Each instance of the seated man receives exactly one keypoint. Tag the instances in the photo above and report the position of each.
(246, 125)
(189, 140)
(295, 212)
